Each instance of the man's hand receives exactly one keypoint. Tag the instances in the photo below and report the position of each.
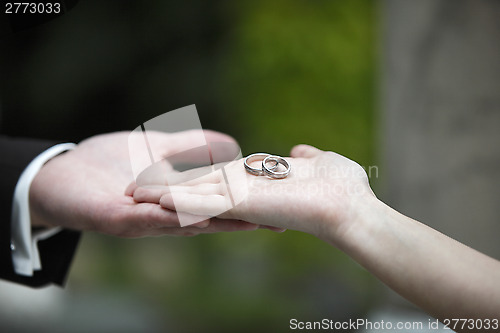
(84, 189)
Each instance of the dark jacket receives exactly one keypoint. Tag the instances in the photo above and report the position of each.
(57, 251)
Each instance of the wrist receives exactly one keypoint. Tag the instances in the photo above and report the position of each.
(41, 183)
(37, 221)
(37, 193)
(358, 220)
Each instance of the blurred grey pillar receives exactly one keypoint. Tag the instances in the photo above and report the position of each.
(441, 116)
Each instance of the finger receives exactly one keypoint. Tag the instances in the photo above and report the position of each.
(220, 225)
(137, 220)
(151, 194)
(147, 219)
(305, 151)
(199, 221)
(155, 174)
(200, 189)
(141, 220)
(185, 141)
(201, 225)
(211, 205)
(151, 215)
(216, 225)
(131, 189)
(196, 176)
(214, 136)
(160, 174)
(275, 229)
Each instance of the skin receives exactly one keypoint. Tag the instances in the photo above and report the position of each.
(329, 196)
(83, 189)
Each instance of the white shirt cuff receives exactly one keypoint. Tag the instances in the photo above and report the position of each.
(25, 256)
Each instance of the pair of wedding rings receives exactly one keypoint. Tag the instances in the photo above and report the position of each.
(270, 164)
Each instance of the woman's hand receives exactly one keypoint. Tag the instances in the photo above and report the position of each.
(319, 196)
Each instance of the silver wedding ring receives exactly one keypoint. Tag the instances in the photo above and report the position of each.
(257, 157)
(271, 172)
(268, 168)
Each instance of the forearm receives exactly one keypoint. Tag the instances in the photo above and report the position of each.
(442, 276)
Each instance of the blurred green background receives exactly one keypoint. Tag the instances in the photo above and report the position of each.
(270, 73)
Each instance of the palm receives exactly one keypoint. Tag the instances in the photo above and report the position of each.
(317, 188)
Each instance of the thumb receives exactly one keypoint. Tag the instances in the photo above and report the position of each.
(305, 151)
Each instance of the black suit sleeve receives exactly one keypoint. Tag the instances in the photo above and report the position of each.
(57, 251)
